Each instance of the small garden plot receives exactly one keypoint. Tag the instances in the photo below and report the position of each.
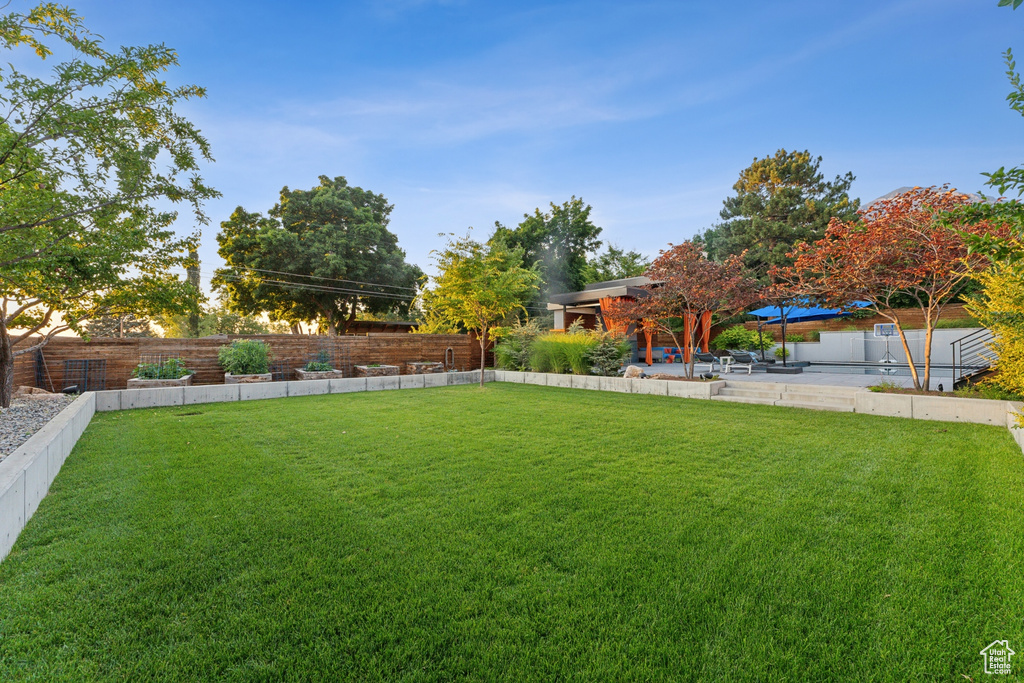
(519, 533)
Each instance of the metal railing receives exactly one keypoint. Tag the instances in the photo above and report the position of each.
(972, 356)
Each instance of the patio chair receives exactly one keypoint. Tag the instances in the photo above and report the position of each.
(743, 359)
(700, 358)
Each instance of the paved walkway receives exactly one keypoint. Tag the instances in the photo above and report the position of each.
(808, 376)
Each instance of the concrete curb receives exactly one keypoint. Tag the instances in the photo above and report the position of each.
(26, 474)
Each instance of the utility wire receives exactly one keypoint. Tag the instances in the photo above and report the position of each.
(318, 277)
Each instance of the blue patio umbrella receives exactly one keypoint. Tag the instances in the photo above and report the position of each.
(796, 312)
(801, 313)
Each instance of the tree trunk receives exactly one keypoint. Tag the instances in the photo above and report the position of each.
(6, 366)
(929, 327)
(483, 356)
(910, 358)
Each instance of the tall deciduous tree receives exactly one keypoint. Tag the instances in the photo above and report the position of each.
(903, 247)
(780, 201)
(615, 264)
(557, 242)
(688, 284)
(323, 255)
(84, 155)
(477, 287)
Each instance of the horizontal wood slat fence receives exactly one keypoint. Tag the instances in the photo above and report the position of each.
(289, 352)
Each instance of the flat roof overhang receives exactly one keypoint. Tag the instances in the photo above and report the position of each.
(592, 297)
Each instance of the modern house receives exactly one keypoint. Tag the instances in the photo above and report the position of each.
(586, 306)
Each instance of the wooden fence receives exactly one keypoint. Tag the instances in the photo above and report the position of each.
(64, 359)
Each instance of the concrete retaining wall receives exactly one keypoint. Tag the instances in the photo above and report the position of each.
(127, 399)
(26, 474)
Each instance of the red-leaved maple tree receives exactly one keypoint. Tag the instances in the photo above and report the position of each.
(901, 247)
(686, 283)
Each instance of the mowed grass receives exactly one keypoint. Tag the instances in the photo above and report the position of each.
(518, 533)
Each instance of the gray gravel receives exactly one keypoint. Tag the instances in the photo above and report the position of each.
(25, 417)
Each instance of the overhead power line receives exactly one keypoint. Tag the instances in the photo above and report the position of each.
(319, 277)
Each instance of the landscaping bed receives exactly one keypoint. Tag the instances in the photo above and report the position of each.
(480, 534)
(26, 416)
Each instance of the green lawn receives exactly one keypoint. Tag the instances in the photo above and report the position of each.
(518, 533)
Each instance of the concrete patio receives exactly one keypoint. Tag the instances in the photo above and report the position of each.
(810, 376)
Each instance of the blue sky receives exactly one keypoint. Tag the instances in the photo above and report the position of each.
(467, 112)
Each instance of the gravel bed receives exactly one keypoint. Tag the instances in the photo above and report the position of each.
(25, 417)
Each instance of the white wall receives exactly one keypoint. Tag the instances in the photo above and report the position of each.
(862, 345)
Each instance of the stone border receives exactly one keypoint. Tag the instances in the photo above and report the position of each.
(26, 474)
(939, 408)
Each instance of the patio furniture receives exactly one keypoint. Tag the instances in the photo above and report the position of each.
(671, 354)
(700, 358)
(744, 359)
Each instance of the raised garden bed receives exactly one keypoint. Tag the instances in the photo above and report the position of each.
(377, 370)
(135, 383)
(425, 367)
(247, 379)
(305, 375)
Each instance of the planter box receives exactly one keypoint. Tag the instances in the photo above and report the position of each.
(185, 381)
(377, 371)
(305, 375)
(423, 368)
(246, 379)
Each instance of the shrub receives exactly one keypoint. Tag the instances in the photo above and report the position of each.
(955, 323)
(740, 338)
(609, 353)
(990, 389)
(578, 351)
(245, 357)
(781, 353)
(512, 352)
(322, 363)
(794, 338)
(562, 353)
(814, 336)
(172, 368)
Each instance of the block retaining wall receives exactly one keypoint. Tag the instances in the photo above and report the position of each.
(26, 474)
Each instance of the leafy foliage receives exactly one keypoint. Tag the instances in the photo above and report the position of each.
(780, 201)
(171, 368)
(688, 284)
(579, 351)
(610, 352)
(322, 363)
(477, 287)
(615, 264)
(1000, 308)
(219, 319)
(740, 338)
(84, 155)
(304, 262)
(125, 325)
(245, 357)
(905, 246)
(512, 352)
(556, 243)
